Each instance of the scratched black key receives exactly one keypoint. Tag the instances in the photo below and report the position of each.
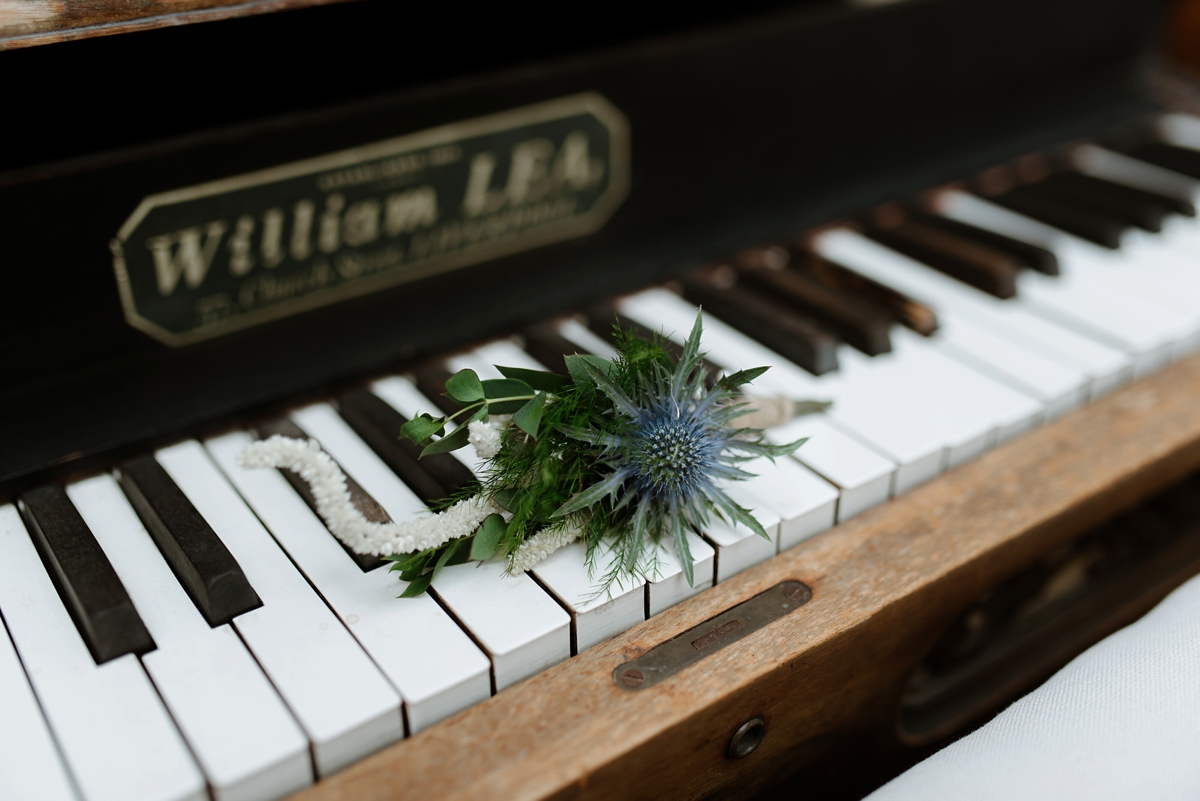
(433, 477)
(432, 383)
(907, 311)
(86, 581)
(546, 345)
(796, 338)
(1027, 255)
(1172, 157)
(201, 562)
(1131, 206)
(1086, 223)
(980, 266)
(856, 322)
(365, 504)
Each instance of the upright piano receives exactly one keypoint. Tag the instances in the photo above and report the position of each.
(970, 225)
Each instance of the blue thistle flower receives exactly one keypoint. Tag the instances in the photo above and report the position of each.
(668, 449)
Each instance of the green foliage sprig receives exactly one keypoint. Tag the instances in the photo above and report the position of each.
(625, 453)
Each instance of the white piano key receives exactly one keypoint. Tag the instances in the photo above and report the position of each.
(579, 334)
(1091, 294)
(1100, 162)
(863, 476)
(30, 766)
(322, 422)
(240, 731)
(343, 703)
(1010, 409)
(667, 585)
(117, 739)
(434, 665)
(1036, 346)
(523, 629)
(596, 615)
(499, 353)
(887, 405)
(404, 397)
(738, 548)
(1180, 128)
(805, 502)
(964, 314)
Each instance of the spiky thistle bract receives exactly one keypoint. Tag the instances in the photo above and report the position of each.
(627, 454)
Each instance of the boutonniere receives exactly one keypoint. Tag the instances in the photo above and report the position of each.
(623, 454)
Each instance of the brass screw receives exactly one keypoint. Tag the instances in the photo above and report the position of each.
(794, 591)
(633, 677)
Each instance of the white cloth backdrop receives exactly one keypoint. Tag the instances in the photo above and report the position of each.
(1120, 722)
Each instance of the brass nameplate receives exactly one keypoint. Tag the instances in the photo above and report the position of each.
(206, 260)
(712, 635)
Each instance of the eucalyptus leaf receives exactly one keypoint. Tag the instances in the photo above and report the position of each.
(580, 374)
(421, 428)
(487, 538)
(417, 586)
(465, 387)
(451, 442)
(497, 388)
(461, 552)
(529, 416)
(546, 382)
(506, 498)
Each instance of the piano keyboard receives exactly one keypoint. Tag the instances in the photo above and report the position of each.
(183, 628)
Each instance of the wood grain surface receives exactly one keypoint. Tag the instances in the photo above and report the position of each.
(25, 23)
(825, 676)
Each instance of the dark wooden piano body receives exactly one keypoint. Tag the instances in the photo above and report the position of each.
(742, 129)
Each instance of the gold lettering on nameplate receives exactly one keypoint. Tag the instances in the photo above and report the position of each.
(206, 260)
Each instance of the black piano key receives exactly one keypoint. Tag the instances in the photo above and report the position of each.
(1173, 205)
(857, 323)
(432, 383)
(1102, 229)
(1143, 210)
(365, 504)
(796, 338)
(1172, 157)
(907, 311)
(602, 319)
(433, 477)
(1032, 256)
(201, 562)
(547, 346)
(86, 581)
(972, 263)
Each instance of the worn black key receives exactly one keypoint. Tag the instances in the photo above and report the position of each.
(1032, 256)
(433, 477)
(602, 319)
(365, 504)
(1172, 157)
(857, 323)
(972, 263)
(432, 383)
(907, 311)
(201, 562)
(86, 581)
(546, 345)
(1132, 206)
(799, 339)
(1102, 229)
